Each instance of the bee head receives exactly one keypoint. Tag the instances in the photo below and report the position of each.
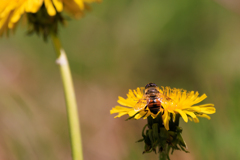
(150, 85)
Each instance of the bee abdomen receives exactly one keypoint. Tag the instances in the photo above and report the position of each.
(154, 106)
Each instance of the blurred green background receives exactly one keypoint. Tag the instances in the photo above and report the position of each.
(121, 45)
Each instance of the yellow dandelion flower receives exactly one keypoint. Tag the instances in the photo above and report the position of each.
(183, 104)
(12, 10)
(133, 97)
(173, 101)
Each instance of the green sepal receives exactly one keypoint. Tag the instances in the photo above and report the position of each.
(155, 132)
(163, 134)
(150, 135)
(43, 24)
(183, 149)
(147, 139)
(144, 135)
(140, 140)
(132, 116)
(156, 136)
(150, 122)
(147, 149)
(181, 141)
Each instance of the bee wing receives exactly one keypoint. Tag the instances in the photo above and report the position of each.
(141, 104)
(164, 98)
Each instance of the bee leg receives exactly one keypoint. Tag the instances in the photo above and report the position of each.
(145, 108)
(145, 111)
(163, 109)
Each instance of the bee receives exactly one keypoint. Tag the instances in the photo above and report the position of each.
(152, 99)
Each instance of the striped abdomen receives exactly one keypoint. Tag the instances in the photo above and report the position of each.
(154, 105)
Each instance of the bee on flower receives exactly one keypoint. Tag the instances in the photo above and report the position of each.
(165, 101)
(162, 107)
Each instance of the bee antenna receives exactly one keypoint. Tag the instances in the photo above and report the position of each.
(150, 85)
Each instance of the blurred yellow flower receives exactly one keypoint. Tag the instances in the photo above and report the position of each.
(12, 10)
(181, 103)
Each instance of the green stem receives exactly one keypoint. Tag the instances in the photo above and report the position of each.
(164, 155)
(73, 120)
